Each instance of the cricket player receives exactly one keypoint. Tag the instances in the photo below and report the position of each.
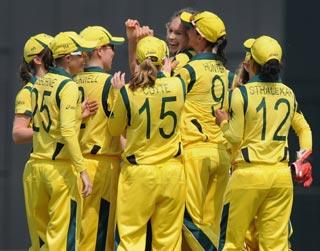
(36, 62)
(152, 181)
(101, 151)
(262, 112)
(52, 192)
(206, 159)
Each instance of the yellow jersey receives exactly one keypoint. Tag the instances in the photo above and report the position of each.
(261, 115)
(149, 118)
(94, 137)
(23, 99)
(183, 57)
(207, 90)
(56, 118)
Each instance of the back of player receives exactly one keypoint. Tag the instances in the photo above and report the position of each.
(51, 175)
(252, 235)
(101, 151)
(262, 112)
(36, 61)
(151, 183)
(205, 155)
(152, 136)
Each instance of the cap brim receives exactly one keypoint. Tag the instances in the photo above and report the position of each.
(117, 40)
(248, 44)
(185, 18)
(83, 44)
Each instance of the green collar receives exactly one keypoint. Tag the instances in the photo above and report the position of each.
(33, 79)
(94, 69)
(204, 56)
(60, 71)
(187, 50)
(259, 78)
(160, 74)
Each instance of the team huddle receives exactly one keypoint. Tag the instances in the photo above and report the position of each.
(185, 156)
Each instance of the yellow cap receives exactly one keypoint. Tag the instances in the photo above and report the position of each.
(66, 42)
(101, 35)
(35, 45)
(264, 48)
(247, 47)
(207, 24)
(153, 48)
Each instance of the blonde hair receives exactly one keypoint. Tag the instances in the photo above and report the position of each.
(145, 76)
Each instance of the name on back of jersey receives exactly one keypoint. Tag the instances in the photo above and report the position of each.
(157, 89)
(270, 90)
(50, 82)
(88, 79)
(214, 67)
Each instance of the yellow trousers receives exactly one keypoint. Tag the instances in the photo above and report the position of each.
(207, 174)
(262, 192)
(251, 242)
(98, 215)
(53, 204)
(155, 194)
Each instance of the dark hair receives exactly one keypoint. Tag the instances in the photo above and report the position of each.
(221, 44)
(28, 70)
(178, 13)
(242, 75)
(270, 71)
(146, 75)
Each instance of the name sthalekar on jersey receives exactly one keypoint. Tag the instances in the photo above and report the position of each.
(270, 90)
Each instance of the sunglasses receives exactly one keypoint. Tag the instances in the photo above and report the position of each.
(76, 53)
(111, 46)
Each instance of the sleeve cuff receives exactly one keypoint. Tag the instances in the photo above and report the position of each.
(224, 125)
(79, 169)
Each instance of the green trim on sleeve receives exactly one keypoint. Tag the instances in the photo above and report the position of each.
(60, 87)
(192, 74)
(105, 95)
(125, 99)
(183, 84)
(230, 79)
(29, 88)
(244, 94)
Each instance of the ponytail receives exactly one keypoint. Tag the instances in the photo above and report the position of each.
(47, 58)
(221, 53)
(218, 48)
(146, 75)
(28, 70)
(270, 71)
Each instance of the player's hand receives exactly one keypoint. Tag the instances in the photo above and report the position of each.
(131, 28)
(118, 80)
(302, 168)
(89, 108)
(220, 116)
(87, 185)
(144, 31)
(169, 65)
